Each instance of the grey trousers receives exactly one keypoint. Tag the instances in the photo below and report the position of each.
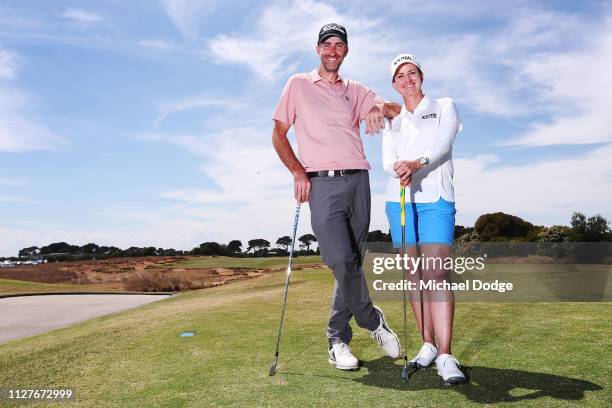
(340, 218)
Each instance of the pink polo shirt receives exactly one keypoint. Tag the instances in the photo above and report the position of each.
(326, 118)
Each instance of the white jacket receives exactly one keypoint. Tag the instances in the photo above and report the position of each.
(428, 132)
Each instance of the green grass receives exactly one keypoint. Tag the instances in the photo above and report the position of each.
(228, 262)
(529, 354)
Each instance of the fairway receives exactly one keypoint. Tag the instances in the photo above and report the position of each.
(528, 354)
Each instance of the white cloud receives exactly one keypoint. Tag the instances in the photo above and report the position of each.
(194, 102)
(251, 195)
(575, 91)
(9, 64)
(18, 132)
(544, 192)
(82, 16)
(266, 50)
(187, 15)
(158, 45)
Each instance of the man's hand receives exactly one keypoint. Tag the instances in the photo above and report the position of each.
(301, 186)
(375, 120)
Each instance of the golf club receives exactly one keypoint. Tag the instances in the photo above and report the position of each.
(405, 375)
(415, 365)
(272, 370)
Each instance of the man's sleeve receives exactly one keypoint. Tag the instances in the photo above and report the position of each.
(285, 111)
(367, 100)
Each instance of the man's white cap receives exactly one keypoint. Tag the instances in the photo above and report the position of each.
(402, 59)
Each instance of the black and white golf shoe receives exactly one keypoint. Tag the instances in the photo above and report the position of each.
(385, 337)
(426, 356)
(341, 356)
(449, 369)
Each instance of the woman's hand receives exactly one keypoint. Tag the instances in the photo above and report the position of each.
(405, 169)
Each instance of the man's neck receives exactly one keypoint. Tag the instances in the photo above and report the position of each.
(330, 77)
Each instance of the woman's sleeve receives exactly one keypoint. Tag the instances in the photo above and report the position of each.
(389, 152)
(448, 128)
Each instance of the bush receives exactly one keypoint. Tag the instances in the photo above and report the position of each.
(499, 224)
(556, 233)
(151, 281)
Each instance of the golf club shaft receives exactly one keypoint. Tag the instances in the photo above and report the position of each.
(403, 224)
(288, 275)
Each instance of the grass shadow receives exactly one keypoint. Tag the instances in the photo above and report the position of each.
(487, 386)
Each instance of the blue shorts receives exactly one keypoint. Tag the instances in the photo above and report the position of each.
(426, 223)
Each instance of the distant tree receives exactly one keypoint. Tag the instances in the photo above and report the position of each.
(90, 248)
(258, 246)
(29, 252)
(234, 246)
(210, 248)
(149, 251)
(378, 236)
(501, 225)
(59, 247)
(307, 240)
(133, 251)
(110, 251)
(593, 229)
(284, 241)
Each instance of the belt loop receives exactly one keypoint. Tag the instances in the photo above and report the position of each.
(331, 173)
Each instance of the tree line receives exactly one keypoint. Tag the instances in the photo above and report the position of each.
(501, 227)
(258, 247)
(494, 227)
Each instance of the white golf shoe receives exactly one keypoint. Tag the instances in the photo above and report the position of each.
(448, 369)
(385, 337)
(341, 356)
(426, 356)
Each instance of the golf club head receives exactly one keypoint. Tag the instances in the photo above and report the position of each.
(272, 370)
(405, 375)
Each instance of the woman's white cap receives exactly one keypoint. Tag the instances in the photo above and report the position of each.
(402, 59)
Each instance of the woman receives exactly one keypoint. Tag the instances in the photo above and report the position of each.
(417, 153)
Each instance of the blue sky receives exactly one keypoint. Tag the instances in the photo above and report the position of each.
(148, 123)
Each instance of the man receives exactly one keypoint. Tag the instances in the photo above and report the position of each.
(332, 174)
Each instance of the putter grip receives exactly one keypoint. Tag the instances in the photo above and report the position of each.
(403, 206)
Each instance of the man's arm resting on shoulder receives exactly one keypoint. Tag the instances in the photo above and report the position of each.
(391, 109)
(301, 182)
(376, 116)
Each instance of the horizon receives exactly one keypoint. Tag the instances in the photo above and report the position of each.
(149, 123)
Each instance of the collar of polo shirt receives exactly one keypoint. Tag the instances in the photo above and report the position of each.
(315, 77)
(423, 105)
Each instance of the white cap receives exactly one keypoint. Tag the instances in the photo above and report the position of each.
(402, 59)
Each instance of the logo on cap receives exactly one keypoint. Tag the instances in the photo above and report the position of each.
(333, 27)
(406, 58)
(332, 30)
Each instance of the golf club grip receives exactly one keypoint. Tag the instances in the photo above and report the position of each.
(403, 205)
(295, 226)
